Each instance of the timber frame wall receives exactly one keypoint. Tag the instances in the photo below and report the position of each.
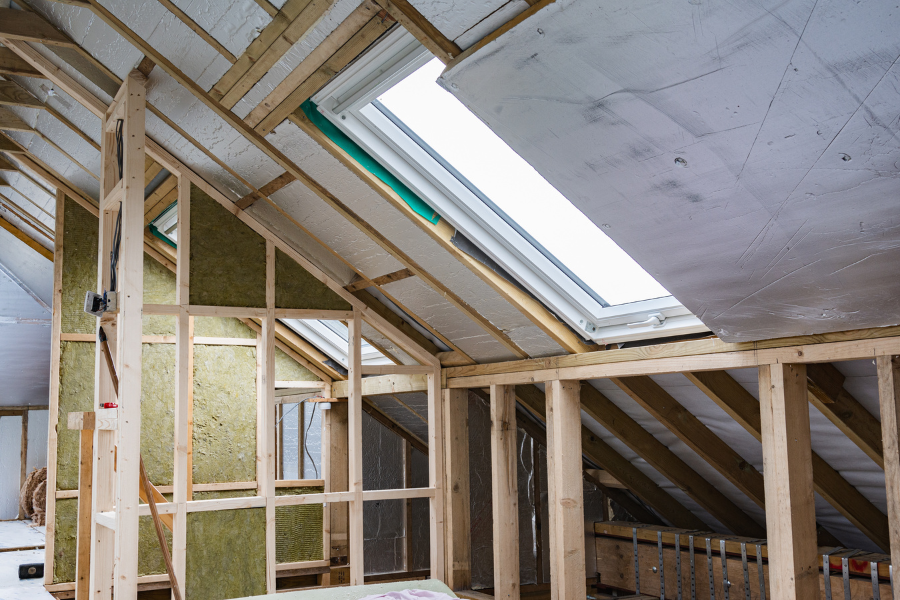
(112, 506)
(785, 436)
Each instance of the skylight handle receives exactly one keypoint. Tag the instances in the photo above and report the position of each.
(655, 320)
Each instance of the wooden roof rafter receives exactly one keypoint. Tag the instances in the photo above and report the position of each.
(91, 102)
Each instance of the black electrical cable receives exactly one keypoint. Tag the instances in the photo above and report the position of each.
(306, 437)
(114, 254)
(120, 151)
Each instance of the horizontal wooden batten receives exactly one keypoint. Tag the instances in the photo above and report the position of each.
(108, 519)
(314, 498)
(104, 419)
(702, 355)
(161, 309)
(225, 504)
(397, 370)
(301, 385)
(384, 384)
(237, 312)
(399, 494)
(163, 508)
(308, 564)
(287, 483)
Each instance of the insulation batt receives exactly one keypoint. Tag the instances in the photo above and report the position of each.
(410, 595)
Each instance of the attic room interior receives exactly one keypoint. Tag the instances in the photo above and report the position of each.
(420, 299)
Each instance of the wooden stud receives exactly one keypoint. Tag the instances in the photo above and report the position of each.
(84, 541)
(266, 417)
(436, 474)
(30, 27)
(407, 506)
(837, 491)
(566, 490)
(889, 397)
(184, 18)
(53, 408)
(790, 514)
(129, 349)
(267, 190)
(335, 420)
(422, 29)
(505, 498)
(354, 430)
(456, 489)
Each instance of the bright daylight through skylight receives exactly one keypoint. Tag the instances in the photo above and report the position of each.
(520, 191)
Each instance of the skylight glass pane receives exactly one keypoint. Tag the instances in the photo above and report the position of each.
(516, 188)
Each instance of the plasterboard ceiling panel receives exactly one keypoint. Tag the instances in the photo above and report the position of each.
(91, 33)
(32, 269)
(232, 24)
(440, 314)
(778, 217)
(328, 225)
(842, 454)
(453, 17)
(335, 15)
(24, 347)
(301, 242)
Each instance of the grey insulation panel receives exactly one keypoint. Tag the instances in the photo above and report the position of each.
(779, 219)
(411, 417)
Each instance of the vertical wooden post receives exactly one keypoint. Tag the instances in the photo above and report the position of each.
(131, 304)
(337, 480)
(458, 539)
(787, 461)
(566, 492)
(23, 453)
(53, 413)
(83, 556)
(265, 435)
(436, 472)
(889, 396)
(505, 491)
(407, 507)
(183, 392)
(354, 421)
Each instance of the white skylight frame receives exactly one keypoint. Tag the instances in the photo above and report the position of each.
(346, 102)
(330, 338)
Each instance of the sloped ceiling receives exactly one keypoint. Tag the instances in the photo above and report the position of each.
(745, 154)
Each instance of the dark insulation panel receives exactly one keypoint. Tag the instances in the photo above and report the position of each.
(228, 259)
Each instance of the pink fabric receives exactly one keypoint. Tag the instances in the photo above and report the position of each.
(410, 595)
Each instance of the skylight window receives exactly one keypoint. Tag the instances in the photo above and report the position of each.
(519, 192)
(387, 110)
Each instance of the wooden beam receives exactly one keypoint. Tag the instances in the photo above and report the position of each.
(354, 432)
(428, 35)
(731, 397)
(383, 384)
(566, 489)
(337, 480)
(889, 398)
(604, 456)
(790, 518)
(30, 27)
(11, 94)
(256, 68)
(270, 33)
(332, 43)
(26, 217)
(26, 239)
(10, 121)
(193, 26)
(456, 490)
(698, 437)
(505, 492)
(669, 465)
(266, 190)
(11, 64)
(83, 531)
(827, 393)
(379, 281)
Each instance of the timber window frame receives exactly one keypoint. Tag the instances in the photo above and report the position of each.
(350, 103)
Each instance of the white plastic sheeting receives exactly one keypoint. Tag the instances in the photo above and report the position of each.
(10, 465)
